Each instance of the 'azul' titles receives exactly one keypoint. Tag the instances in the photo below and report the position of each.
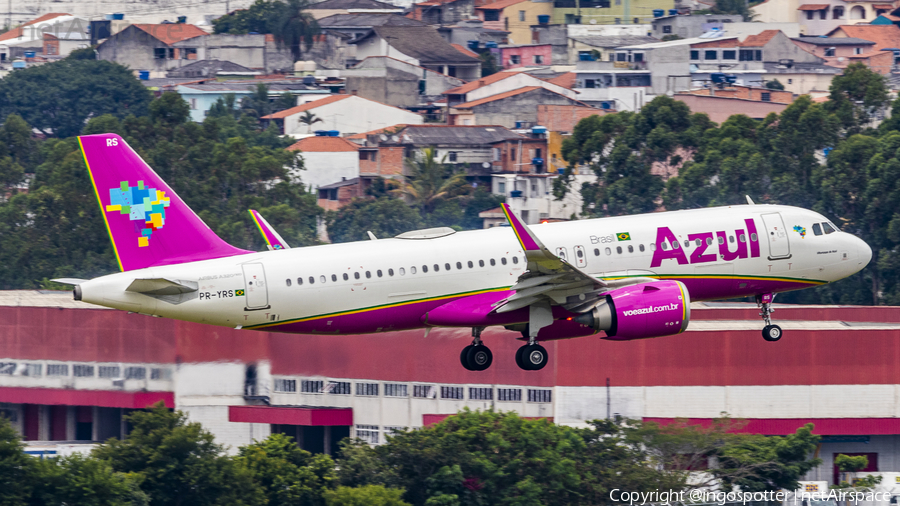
(705, 242)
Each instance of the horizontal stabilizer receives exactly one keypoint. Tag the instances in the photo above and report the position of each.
(69, 281)
(162, 286)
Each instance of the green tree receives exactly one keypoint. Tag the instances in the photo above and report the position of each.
(369, 495)
(284, 101)
(309, 119)
(257, 104)
(17, 469)
(86, 481)
(856, 95)
(289, 21)
(58, 98)
(774, 84)
(757, 463)
(489, 64)
(847, 464)
(84, 53)
(429, 181)
(384, 217)
(287, 474)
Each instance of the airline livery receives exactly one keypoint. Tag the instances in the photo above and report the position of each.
(629, 277)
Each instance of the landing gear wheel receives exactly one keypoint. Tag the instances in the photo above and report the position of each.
(531, 357)
(479, 358)
(464, 357)
(771, 333)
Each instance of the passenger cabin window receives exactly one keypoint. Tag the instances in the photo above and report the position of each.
(334, 277)
(312, 280)
(641, 247)
(288, 281)
(503, 260)
(493, 263)
(346, 277)
(596, 252)
(817, 229)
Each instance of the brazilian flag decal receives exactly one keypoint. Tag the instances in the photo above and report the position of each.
(624, 236)
(239, 292)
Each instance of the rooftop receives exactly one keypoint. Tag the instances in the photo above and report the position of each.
(834, 41)
(364, 20)
(207, 68)
(478, 83)
(462, 49)
(306, 107)
(566, 80)
(613, 41)
(319, 144)
(171, 33)
(884, 36)
(760, 39)
(424, 44)
(352, 4)
(499, 4)
(434, 135)
(508, 94)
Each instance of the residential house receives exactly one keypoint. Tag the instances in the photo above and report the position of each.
(842, 51)
(515, 16)
(473, 34)
(67, 32)
(798, 78)
(443, 12)
(151, 47)
(347, 114)
(557, 37)
(59, 46)
(327, 8)
(602, 85)
(333, 196)
(721, 103)
(202, 94)
(327, 160)
(526, 55)
(603, 30)
(501, 82)
(693, 25)
(418, 45)
(397, 83)
(880, 57)
(512, 109)
(211, 69)
(609, 12)
(823, 16)
(602, 47)
(258, 52)
(359, 25)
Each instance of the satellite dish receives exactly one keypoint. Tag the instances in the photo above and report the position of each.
(383, 137)
(394, 138)
(486, 165)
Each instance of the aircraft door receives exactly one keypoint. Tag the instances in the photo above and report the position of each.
(779, 246)
(580, 257)
(255, 290)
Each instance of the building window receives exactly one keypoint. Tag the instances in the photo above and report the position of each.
(621, 57)
(285, 385)
(451, 392)
(452, 156)
(9, 412)
(135, 373)
(109, 371)
(338, 388)
(57, 370)
(7, 368)
(618, 21)
(750, 55)
(83, 371)
(521, 15)
(538, 59)
(837, 12)
(158, 373)
(367, 389)
(857, 50)
(638, 57)
(492, 15)
(159, 53)
(695, 55)
(729, 54)
(790, 81)
(424, 391)
(667, 29)
(765, 96)
(390, 430)
(32, 370)
(481, 394)
(829, 51)
(368, 433)
(312, 386)
(535, 395)
(515, 59)
(710, 55)
(395, 390)
(757, 55)
(509, 394)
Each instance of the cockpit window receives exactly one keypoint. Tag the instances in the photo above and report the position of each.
(817, 229)
(835, 227)
(829, 229)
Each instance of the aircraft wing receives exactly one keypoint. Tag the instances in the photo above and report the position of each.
(273, 239)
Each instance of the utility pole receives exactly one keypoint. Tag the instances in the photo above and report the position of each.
(607, 399)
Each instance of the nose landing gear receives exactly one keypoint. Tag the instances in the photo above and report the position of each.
(770, 332)
(476, 356)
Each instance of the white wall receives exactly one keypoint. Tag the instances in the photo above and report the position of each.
(353, 115)
(324, 168)
(519, 80)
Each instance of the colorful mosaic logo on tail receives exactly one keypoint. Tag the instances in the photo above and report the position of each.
(142, 204)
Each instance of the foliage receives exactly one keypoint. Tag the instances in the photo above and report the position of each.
(429, 181)
(368, 495)
(309, 119)
(17, 469)
(287, 20)
(287, 474)
(178, 462)
(82, 480)
(757, 463)
(83, 53)
(489, 64)
(856, 95)
(57, 98)
(257, 104)
(774, 84)
(733, 7)
(384, 217)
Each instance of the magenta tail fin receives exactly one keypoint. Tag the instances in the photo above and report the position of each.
(148, 223)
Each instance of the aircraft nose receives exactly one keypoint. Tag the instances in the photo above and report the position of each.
(864, 253)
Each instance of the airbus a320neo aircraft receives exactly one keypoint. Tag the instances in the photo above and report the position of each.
(630, 277)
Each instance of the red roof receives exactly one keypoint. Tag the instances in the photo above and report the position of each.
(15, 33)
(884, 36)
(478, 83)
(883, 6)
(306, 107)
(363, 135)
(501, 96)
(812, 7)
(323, 145)
(171, 33)
(566, 80)
(759, 40)
(464, 51)
(500, 4)
(46, 17)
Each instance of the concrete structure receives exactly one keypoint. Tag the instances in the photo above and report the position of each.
(327, 8)
(420, 46)
(259, 52)
(443, 12)
(601, 47)
(512, 109)
(360, 24)
(395, 82)
(604, 30)
(501, 82)
(557, 37)
(202, 95)
(842, 51)
(151, 47)
(70, 371)
(880, 56)
(326, 160)
(609, 12)
(720, 105)
(694, 25)
(348, 114)
(55, 34)
(515, 16)
(821, 17)
(465, 31)
(528, 55)
(604, 86)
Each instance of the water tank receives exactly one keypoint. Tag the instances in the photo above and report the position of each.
(333, 133)
(544, 19)
(182, 19)
(108, 16)
(673, 12)
(118, 16)
(321, 133)
(19, 64)
(490, 44)
(472, 44)
(515, 194)
(309, 80)
(605, 105)
(143, 75)
(717, 77)
(538, 130)
(30, 54)
(658, 13)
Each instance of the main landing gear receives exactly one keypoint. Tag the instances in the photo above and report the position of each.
(476, 356)
(531, 357)
(770, 332)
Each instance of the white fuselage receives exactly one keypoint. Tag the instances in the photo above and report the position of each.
(391, 283)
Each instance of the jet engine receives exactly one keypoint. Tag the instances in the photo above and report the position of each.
(654, 309)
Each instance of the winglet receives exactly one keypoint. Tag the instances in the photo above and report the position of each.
(273, 239)
(528, 241)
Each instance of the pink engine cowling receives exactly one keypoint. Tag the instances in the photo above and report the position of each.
(659, 308)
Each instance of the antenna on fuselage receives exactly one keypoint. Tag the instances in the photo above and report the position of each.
(750, 201)
(371, 235)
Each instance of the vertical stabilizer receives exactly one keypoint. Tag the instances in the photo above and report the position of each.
(148, 223)
(272, 237)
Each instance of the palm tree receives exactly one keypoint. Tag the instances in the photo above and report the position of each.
(309, 119)
(430, 181)
(293, 26)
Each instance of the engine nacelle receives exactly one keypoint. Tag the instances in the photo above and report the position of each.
(659, 308)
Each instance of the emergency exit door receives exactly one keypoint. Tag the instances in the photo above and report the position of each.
(255, 291)
(779, 246)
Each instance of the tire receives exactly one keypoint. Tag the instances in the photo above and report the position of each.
(519, 361)
(464, 357)
(772, 333)
(479, 357)
(534, 357)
